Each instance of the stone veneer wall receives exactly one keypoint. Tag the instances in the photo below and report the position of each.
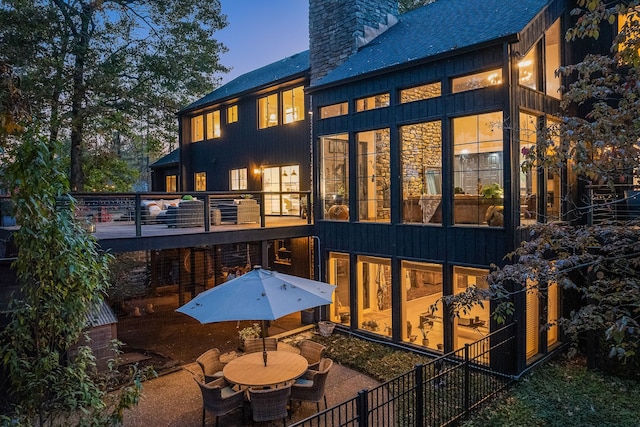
(335, 26)
(421, 148)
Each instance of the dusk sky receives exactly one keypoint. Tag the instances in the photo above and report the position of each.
(261, 32)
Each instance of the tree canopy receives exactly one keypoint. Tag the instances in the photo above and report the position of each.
(95, 71)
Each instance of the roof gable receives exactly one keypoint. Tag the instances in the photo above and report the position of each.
(437, 28)
(264, 76)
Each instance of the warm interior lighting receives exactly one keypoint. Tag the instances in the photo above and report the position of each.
(257, 171)
(525, 63)
(294, 173)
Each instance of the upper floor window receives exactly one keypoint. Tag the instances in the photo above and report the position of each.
(197, 128)
(528, 69)
(372, 102)
(334, 176)
(334, 110)
(213, 124)
(232, 114)
(374, 175)
(418, 93)
(293, 105)
(200, 180)
(268, 111)
(552, 60)
(477, 81)
(171, 183)
(238, 179)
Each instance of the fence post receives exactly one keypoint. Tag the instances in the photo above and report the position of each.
(363, 408)
(419, 405)
(467, 375)
(207, 213)
(138, 201)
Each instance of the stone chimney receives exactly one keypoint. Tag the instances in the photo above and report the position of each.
(337, 28)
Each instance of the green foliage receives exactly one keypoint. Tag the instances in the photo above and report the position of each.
(111, 74)
(62, 276)
(564, 394)
(492, 191)
(376, 360)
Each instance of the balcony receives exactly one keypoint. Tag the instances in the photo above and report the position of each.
(118, 220)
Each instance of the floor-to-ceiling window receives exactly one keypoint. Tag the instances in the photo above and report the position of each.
(421, 156)
(374, 294)
(421, 308)
(471, 325)
(339, 274)
(334, 177)
(478, 169)
(280, 185)
(374, 176)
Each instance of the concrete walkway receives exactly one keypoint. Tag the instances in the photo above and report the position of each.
(174, 400)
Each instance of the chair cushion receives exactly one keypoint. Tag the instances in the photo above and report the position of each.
(218, 374)
(226, 392)
(304, 383)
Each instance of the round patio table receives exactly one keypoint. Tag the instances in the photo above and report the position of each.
(249, 370)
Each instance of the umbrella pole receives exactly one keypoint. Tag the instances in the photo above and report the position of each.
(264, 344)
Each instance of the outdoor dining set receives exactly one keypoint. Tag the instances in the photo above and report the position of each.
(291, 375)
(266, 377)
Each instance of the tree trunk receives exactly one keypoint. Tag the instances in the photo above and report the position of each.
(77, 103)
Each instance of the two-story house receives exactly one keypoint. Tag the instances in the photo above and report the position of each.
(409, 130)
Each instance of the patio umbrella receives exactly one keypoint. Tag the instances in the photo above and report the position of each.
(258, 295)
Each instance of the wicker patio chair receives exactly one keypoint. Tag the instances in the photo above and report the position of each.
(270, 403)
(310, 387)
(211, 365)
(312, 351)
(219, 398)
(254, 345)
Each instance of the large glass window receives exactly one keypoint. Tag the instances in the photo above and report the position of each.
(293, 105)
(529, 178)
(554, 181)
(552, 59)
(374, 176)
(473, 324)
(421, 158)
(281, 185)
(478, 169)
(553, 313)
(422, 290)
(334, 176)
(238, 179)
(334, 110)
(197, 128)
(372, 102)
(339, 275)
(200, 181)
(528, 69)
(213, 124)
(418, 93)
(268, 111)
(374, 294)
(533, 318)
(170, 183)
(477, 81)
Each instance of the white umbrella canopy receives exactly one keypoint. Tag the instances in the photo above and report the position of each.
(258, 295)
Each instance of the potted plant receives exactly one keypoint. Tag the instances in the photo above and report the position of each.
(494, 194)
(249, 332)
(425, 340)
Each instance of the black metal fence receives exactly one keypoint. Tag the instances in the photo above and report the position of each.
(439, 393)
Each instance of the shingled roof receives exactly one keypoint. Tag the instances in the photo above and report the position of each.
(435, 29)
(284, 69)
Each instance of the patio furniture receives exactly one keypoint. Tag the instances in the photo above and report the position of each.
(219, 398)
(310, 387)
(270, 403)
(312, 351)
(188, 213)
(249, 370)
(253, 345)
(211, 364)
(241, 211)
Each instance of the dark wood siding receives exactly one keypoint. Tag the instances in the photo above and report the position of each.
(243, 145)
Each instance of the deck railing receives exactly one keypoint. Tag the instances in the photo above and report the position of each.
(439, 393)
(93, 210)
